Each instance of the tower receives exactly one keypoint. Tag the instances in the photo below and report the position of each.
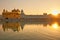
(22, 12)
(4, 10)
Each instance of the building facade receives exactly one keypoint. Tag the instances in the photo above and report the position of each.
(14, 14)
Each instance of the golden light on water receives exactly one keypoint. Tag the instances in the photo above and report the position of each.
(55, 25)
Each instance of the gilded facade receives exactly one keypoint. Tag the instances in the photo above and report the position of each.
(14, 14)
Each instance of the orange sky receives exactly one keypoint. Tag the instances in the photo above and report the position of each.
(31, 7)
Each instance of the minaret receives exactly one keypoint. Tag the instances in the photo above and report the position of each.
(22, 12)
(4, 10)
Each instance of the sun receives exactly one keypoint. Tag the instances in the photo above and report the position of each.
(55, 12)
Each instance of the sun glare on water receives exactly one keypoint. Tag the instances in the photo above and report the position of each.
(55, 25)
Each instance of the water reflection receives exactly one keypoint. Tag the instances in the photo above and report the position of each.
(14, 26)
(17, 26)
(55, 25)
(30, 30)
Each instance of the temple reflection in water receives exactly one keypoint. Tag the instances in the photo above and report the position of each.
(17, 26)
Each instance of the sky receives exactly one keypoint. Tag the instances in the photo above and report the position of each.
(31, 7)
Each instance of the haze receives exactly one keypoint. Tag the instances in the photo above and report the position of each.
(31, 7)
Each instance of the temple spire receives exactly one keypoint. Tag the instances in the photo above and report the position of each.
(22, 12)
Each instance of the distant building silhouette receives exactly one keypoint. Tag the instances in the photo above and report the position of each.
(44, 13)
(17, 14)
